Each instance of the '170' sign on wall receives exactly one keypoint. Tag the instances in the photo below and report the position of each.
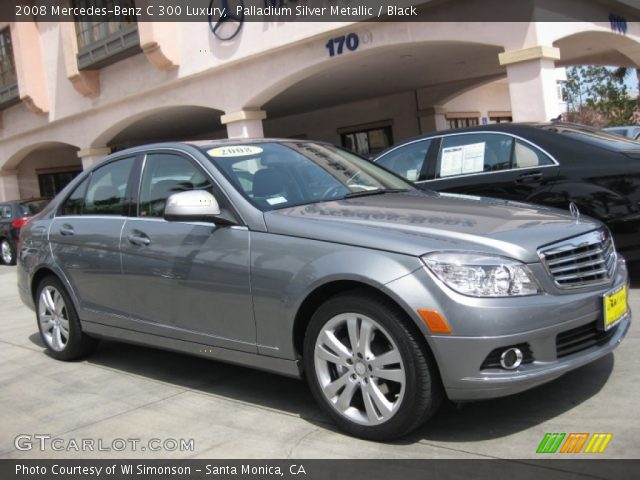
(618, 23)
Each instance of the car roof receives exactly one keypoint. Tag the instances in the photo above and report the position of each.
(202, 144)
(498, 127)
(537, 128)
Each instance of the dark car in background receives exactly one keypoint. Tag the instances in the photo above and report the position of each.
(13, 216)
(551, 164)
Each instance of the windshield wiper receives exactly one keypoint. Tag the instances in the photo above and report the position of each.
(377, 191)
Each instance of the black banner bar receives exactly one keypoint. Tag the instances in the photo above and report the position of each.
(321, 10)
(319, 469)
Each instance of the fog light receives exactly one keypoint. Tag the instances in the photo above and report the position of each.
(511, 358)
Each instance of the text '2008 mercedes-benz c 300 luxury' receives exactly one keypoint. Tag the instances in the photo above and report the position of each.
(303, 259)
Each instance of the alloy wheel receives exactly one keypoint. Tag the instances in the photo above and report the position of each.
(359, 368)
(7, 254)
(54, 318)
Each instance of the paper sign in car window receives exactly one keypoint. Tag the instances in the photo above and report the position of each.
(473, 158)
(234, 151)
(412, 174)
(451, 161)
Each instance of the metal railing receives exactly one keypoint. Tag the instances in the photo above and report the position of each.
(8, 78)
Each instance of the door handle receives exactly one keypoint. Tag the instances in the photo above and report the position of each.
(139, 239)
(66, 230)
(529, 177)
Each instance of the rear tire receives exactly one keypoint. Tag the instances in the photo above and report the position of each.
(368, 369)
(7, 252)
(58, 322)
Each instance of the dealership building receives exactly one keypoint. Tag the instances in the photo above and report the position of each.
(72, 92)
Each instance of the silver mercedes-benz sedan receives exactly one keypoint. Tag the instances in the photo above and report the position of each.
(303, 259)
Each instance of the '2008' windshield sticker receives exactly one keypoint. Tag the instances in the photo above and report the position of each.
(234, 151)
(276, 200)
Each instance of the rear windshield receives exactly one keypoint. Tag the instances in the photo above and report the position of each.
(598, 138)
(32, 207)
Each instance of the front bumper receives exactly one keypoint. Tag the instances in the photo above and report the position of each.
(481, 326)
(465, 381)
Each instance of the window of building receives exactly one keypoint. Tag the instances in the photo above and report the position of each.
(52, 183)
(463, 119)
(101, 43)
(367, 141)
(500, 119)
(498, 116)
(8, 79)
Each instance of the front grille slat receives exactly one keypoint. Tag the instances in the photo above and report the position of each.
(592, 263)
(581, 275)
(581, 338)
(574, 258)
(581, 261)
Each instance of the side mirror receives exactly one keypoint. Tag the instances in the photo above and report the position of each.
(194, 205)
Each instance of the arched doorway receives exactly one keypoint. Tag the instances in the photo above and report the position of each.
(40, 170)
(164, 124)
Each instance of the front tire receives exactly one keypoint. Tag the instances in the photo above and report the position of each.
(7, 252)
(58, 322)
(368, 369)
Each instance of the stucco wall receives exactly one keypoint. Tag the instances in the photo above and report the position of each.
(323, 124)
(493, 96)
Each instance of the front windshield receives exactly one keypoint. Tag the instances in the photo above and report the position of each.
(280, 175)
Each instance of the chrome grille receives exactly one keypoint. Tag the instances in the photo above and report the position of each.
(586, 260)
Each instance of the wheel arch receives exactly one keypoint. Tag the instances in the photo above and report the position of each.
(323, 292)
(37, 277)
(45, 271)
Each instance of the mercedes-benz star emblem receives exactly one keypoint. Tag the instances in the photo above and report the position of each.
(575, 211)
(229, 23)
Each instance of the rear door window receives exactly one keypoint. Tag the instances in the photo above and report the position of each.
(106, 193)
(475, 153)
(74, 204)
(527, 156)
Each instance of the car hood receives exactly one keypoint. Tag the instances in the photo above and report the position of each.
(417, 222)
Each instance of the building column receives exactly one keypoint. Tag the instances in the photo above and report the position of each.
(30, 69)
(244, 124)
(9, 188)
(532, 83)
(432, 119)
(91, 156)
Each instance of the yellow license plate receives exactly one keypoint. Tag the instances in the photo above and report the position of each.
(615, 306)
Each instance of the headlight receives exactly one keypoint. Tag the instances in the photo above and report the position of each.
(479, 275)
